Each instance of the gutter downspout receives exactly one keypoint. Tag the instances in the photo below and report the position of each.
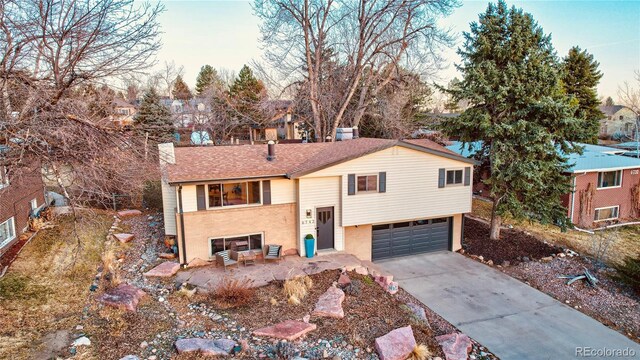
(573, 194)
(184, 249)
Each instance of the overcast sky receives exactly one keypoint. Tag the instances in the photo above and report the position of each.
(225, 34)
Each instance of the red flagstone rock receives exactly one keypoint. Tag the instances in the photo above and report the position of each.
(197, 262)
(168, 256)
(124, 296)
(205, 346)
(166, 269)
(124, 238)
(344, 280)
(288, 330)
(330, 304)
(456, 346)
(125, 213)
(396, 345)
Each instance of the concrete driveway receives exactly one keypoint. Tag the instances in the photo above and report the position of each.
(513, 320)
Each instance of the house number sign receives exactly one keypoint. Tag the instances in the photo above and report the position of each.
(307, 221)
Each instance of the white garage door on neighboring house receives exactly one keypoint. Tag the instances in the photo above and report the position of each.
(411, 237)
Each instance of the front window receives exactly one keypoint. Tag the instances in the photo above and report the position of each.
(236, 243)
(454, 177)
(7, 232)
(609, 179)
(608, 213)
(367, 183)
(234, 194)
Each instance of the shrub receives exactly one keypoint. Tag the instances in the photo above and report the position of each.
(285, 350)
(367, 280)
(297, 288)
(629, 272)
(420, 352)
(233, 293)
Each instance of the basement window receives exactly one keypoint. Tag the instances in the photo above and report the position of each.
(607, 213)
(236, 243)
(7, 232)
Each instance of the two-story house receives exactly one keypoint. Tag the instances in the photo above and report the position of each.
(374, 198)
(618, 119)
(20, 194)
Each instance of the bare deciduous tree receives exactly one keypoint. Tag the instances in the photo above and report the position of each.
(370, 40)
(51, 51)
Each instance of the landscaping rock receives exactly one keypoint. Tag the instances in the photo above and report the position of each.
(166, 269)
(125, 213)
(546, 259)
(456, 346)
(361, 270)
(124, 296)
(288, 330)
(123, 238)
(81, 341)
(130, 357)
(418, 311)
(396, 345)
(197, 262)
(204, 346)
(225, 344)
(167, 256)
(344, 280)
(330, 304)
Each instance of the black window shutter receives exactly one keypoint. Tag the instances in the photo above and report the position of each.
(202, 204)
(467, 176)
(352, 184)
(382, 182)
(266, 192)
(441, 177)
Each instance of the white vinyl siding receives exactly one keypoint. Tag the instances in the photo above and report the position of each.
(190, 198)
(7, 232)
(411, 188)
(316, 193)
(169, 205)
(283, 191)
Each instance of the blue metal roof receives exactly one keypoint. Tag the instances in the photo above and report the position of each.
(632, 145)
(593, 157)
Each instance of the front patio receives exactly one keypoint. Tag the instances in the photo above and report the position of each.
(208, 277)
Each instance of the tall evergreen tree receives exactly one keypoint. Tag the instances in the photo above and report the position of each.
(609, 101)
(580, 78)
(247, 92)
(207, 78)
(154, 118)
(181, 90)
(518, 111)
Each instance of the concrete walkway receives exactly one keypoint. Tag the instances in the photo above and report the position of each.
(513, 320)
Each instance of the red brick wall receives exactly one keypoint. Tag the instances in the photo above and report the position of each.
(605, 197)
(15, 199)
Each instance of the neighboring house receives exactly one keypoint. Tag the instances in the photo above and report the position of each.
(19, 195)
(602, 179)
(374, 198)
(123, 113)
(283, 124)
(617, 119)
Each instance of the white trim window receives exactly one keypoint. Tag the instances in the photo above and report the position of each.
(367, 183)
(236, 243)
(4, 177)
(234, 194)
(455, 177)
(34, 204)
(7, 232)
(609, 179)
(607, 213)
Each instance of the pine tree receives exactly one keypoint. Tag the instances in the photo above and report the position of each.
(181, 90)
(154, 118)
(518, 111)
(580, 78)
(207, 78)
(609, 101)
(247, 92)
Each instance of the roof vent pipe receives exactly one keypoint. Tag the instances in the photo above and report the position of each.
(356, 134)
(271, 150)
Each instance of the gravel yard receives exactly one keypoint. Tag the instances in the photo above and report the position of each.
(538, 264)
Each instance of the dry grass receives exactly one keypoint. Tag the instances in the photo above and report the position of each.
(626, 246)
(232, 293)
(420, 352)
(47, 286)
(296, 289)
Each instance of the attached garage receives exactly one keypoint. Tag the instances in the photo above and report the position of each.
(411, 237)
